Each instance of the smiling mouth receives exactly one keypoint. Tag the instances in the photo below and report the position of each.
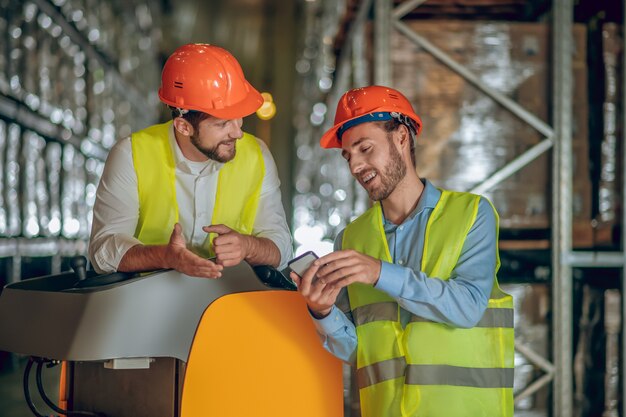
(369, 177)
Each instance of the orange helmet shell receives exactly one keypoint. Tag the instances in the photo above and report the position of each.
(209, 79)
(361, 101)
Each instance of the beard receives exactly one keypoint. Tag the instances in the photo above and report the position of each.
(392, 174)
(213, 152)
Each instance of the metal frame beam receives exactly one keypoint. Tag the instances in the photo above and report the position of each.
(509, 104)
(18, 112)
(342, 74)
(406, 7)
(513, 166)
(504, 172)
(541, 363)
(559, 137)
(473, 79)
(382, 42)
(562, 208)
(584, 259)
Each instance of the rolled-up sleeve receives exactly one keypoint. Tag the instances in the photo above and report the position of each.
(271, 222)
(116, 210)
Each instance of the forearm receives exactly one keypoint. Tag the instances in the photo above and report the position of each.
(144, 258)
(262, 251)
(271, 221)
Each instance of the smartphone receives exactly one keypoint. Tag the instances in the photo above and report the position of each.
(300, 264)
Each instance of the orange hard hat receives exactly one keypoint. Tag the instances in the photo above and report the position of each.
(209, 79)
(369, 104)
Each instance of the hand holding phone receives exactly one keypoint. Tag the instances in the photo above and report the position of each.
(300, 264)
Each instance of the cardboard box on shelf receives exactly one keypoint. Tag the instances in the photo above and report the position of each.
(467, 136)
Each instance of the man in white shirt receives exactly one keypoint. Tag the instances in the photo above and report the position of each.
(175, 194)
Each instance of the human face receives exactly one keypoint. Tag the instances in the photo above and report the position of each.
(373, 159)
(215, 138)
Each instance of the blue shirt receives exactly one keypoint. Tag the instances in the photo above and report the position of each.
(459, 301)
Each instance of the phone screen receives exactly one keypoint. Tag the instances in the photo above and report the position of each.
(300, 264)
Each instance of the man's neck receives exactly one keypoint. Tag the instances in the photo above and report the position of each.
(403, 199)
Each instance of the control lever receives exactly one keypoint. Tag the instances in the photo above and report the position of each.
(273, 278)
(79, 265)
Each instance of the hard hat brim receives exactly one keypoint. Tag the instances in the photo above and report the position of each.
(251, 103)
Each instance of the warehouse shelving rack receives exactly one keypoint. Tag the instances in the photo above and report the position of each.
(559, 370)
(121, 85)
(15, 111)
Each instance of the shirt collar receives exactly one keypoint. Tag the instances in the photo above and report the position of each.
(185, 164)
(428, 200)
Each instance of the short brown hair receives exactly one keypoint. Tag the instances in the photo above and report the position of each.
(391, 126)
(192, 116)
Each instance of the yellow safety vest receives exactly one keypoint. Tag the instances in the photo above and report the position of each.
(238, 186)
(430, 369)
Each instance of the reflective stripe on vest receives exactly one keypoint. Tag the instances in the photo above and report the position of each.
(459, 376)
(493, 317)
(445, 370)
(158, 209)
(434, 375)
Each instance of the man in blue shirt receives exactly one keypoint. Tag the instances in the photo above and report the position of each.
(378, 288)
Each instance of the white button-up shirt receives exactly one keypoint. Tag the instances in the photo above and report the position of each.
(116, 209)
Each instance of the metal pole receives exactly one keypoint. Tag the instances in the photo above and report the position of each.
(344, 68)
(539, 361)
(514, 166)
(405, 8)
(382, 42)
(360, 62)
(562, 208)
(595, 259)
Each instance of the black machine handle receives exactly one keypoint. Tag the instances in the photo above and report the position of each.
(272, 277)
(79, 265)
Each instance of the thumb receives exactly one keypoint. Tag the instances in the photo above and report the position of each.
(177, 237)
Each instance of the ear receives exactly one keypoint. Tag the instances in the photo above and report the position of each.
(403, 141)
(403, 138)
(183, 127)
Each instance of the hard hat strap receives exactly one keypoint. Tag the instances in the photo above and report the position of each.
(180, 112)
(379, 117)
(403, 118)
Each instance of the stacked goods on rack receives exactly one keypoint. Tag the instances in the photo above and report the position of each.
(610, 185)
(474, 9)
(75, 76)
(467, 136)
(65, 98)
